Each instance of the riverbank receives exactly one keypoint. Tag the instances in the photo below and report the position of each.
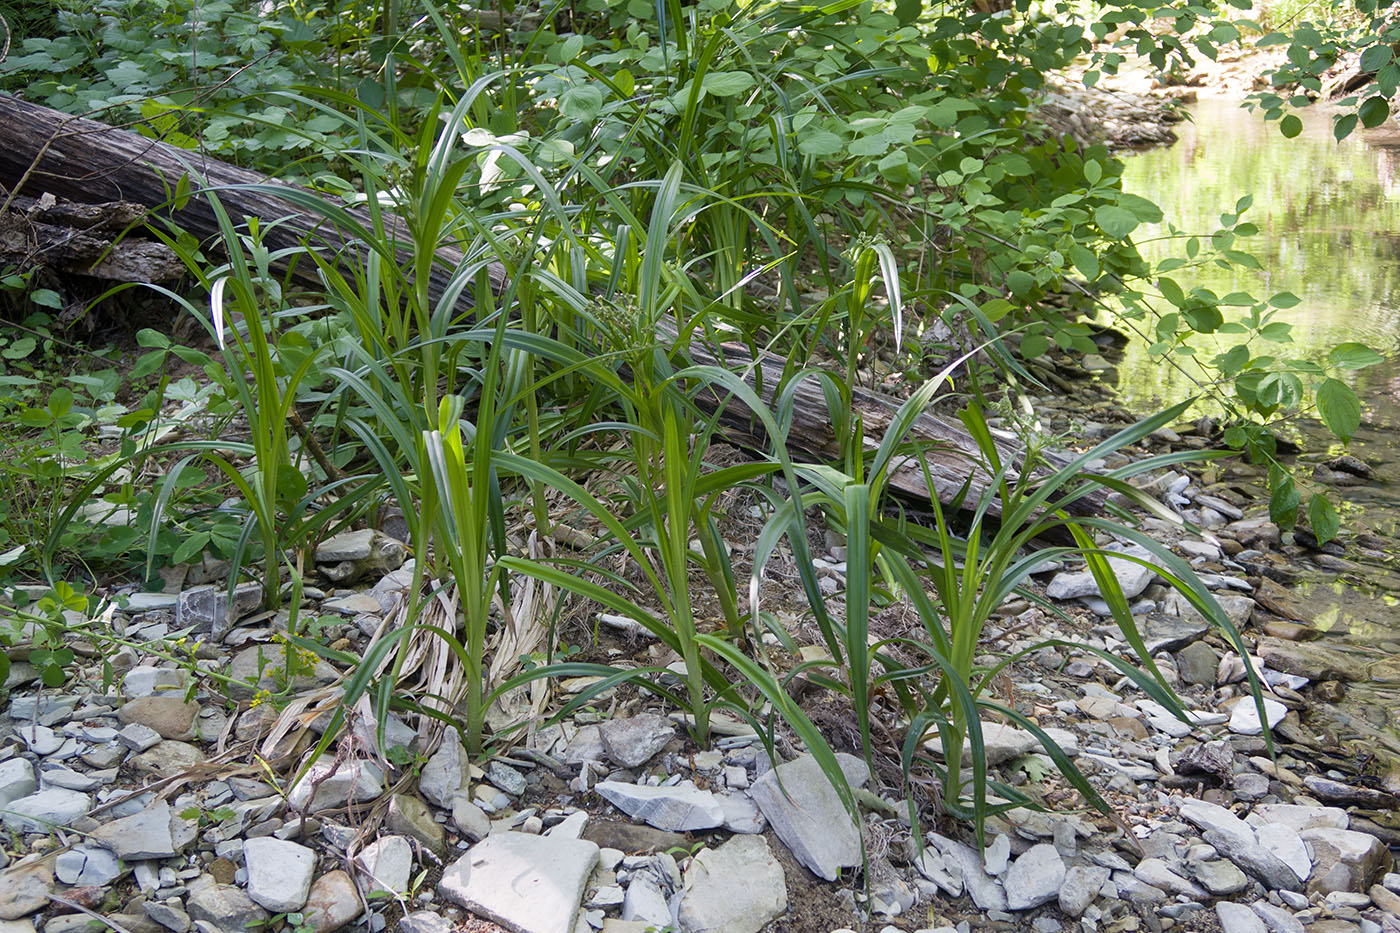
(169, 784)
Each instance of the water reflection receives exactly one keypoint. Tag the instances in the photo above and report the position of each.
(1329, 231)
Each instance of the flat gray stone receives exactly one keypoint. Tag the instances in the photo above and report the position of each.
(348, 545)
(984, 890)
(527, 884)
(1170, 633)
(1285, 842)
(632, 742)
(680, 808)
(1277, 919)
(84, 865)
(807, 814)
(25, 888)
(1205, 815)
(149, 602)
(167, 915)
(147, 680)
(736, 888)
(16, 780)
(142, 836)
(1081, 888)
(1299, 817)
(1218, 876)
(41, 740)
(354, 781)
(645, 903)
(387, 864)
(43, 811)
(1237, 918)
(225, 906)
(1244, 717)
(445, 775)
(1034, 878)
(138, 737)
(1132, 578)
(279, 873)
(1255, 860)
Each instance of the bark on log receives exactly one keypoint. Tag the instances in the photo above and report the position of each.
(43, 150)
(86, 239)
(81, 160)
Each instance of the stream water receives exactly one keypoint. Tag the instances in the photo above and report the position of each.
(1329, 231)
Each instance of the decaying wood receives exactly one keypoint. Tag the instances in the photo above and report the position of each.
(948, 451)
(86, 239)
(79, 160)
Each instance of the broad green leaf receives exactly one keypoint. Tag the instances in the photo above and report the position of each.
(1290, 126)
(1339, 408)
(1374, 111)
(1354, 356)
(819, 143)
(1284, 300)
(61, 401)
(728, 83)
(1085, 261)
(581, 104)
(1323, 517)
(1283, 503)
(1376, 57)
(1115, 222)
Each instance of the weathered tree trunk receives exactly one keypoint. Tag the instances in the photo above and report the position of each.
(43, 150)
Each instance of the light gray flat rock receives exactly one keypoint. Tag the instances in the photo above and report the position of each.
(736, 888)
(680, 808)
(807, 814)
(1298, 817)
(1237, 918)
(1205, 815)
(632, 742)
(1244, 717)
(1081, 888)
(984, 890)
(142, 836)
(45, 810)
(1285, 842)
(527, 884)
(1034, 878)
(1132, 578)
(84, 865)
(645, 903)
(387, 864)
(445, 775)
(352, 782)
(279, 873)
(16, 780)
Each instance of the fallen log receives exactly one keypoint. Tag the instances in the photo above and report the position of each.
(83, 161)
(84, 239)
